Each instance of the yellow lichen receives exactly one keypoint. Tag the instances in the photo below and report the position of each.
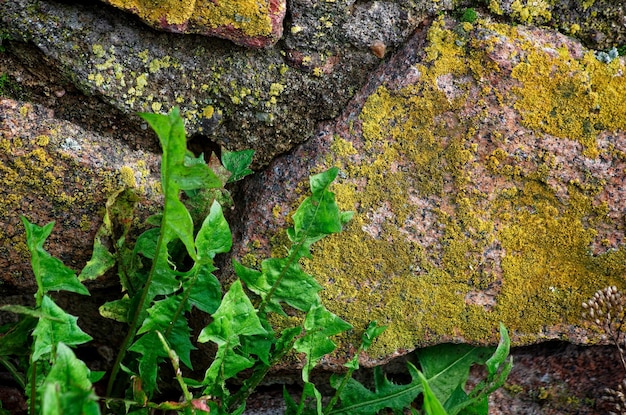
(413, 146)
(208, 111)
(252, 17)
(98, 50)
(42, 140)
(571, 98)
(528, 10)
(127, 175)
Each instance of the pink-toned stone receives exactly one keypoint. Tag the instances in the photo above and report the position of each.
(53, 170)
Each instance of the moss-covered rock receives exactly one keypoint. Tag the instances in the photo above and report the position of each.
(486, 171)
(251, 23)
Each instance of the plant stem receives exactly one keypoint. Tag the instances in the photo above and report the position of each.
(33, 385)
(138, 315)
(335, 398)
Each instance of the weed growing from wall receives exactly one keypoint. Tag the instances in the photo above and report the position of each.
(168, 271)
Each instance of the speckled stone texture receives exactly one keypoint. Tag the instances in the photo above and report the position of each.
(53, 170)
(487, 185)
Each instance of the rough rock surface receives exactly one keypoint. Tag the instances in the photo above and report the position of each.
(237, 97)
(52, 170)
(271, 99)
(485, 162)
(485, 165)
(247, 23)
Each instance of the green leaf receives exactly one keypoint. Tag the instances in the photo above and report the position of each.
(60, 327)
(498, 369)
(101, 261)
(16, 340)
(117, 310)
(501, 353)
(237, 163)
(205, 291)
(67, 390)
(163, 317)
(236, 316)
(432, 406)
(214, 236)
(318, 215)
(446, 366)
(146, 243)
(27, 311)
(371, 333)
(170, 129)
(319, 325)
(164, 281)
(152, 354)
(356, 399)
(195, 176)
(291, 285)
(177, 222)
(50, 273)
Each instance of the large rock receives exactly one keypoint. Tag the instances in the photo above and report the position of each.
(485, 164)
(52, 170)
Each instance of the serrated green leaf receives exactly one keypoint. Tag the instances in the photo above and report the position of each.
(146, 243)
(164, 281)
(152, 354)
(319, 325)
(60, 327)
(51, 274)
(446, 366)
(204, 291)
(67, 389)
(237, 163)
(214, 236)
(163, 317)
(226, 365)
(320, 182)
(476, 402)
(290, 284)
(318, 215)
(356, 399)
(236, 316)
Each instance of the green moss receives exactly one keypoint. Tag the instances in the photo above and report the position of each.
(414, 146)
